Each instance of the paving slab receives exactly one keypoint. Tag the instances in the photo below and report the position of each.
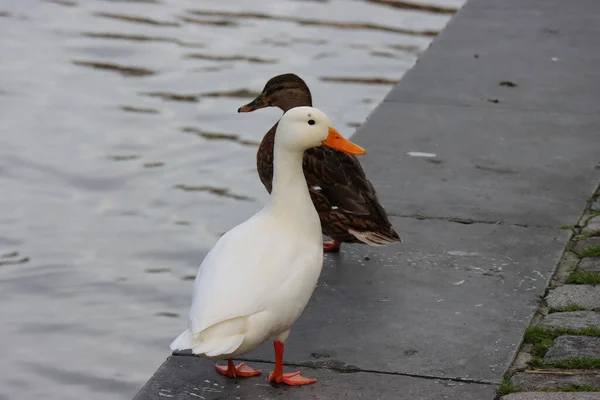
(581, 245)
(593, 225)
(452, 301)
(586, 296)
(572, 320)
(533, 382)
(182, 377)
(590, 264)
(548, 53)
(506, 166)
(552, 396)
(568, 347)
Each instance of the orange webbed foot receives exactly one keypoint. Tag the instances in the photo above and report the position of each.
(292, 379)
(241, 370)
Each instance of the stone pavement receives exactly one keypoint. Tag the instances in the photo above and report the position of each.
(561, 350)
(552, 396)
(482, 152)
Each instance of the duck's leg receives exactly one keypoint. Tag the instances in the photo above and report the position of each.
(331, 246)
(277, 376)
(232, 371)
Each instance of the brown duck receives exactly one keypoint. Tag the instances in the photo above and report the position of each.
(346, 201)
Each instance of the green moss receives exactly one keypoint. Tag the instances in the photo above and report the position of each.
(535, 363)
(570, 388)
(507, 387)
(589, 331)
(583, 278)
(580, 388)
(536, 333)
(586, 235)
(593, 251)
(567, 227)
(573, 307)
(540, 348)
(576, 363)
(542, 339)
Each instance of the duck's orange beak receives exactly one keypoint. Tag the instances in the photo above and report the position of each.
(338, 142)
(254, 105)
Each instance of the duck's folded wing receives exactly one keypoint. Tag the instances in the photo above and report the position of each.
(339, 182)
(234, 279)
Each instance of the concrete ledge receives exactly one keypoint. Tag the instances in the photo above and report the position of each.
(187, 377)
(512, 138)
(553, 396)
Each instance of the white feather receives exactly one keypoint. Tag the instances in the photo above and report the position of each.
(184, 341)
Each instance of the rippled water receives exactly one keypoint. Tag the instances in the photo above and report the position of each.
(122, 160)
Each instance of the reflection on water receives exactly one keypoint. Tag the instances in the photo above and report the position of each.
(256, 60)
(220, 136)
(415, 6)
(135, 19)
(139, 38)
(12, 258)
(191, 98)
(314, 22)
(125, 71)
(224, 192)
(123, 159)
(239, 93)
(368, 81)
(140, 110)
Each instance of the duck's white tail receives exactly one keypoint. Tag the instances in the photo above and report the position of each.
(213, 348)
(219, 339)
(184, 341)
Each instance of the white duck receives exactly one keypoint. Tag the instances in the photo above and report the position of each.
(255, 282)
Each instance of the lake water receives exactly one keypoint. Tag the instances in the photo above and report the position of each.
(123, 159)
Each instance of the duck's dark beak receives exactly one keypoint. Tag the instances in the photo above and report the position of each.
(254, 105)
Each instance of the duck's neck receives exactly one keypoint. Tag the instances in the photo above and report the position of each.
(290, 198)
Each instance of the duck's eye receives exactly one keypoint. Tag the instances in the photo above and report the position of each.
(311, 121)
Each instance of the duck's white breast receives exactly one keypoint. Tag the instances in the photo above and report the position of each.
(258, 266)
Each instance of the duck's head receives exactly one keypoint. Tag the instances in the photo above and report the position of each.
(284, 91)
(304, 127)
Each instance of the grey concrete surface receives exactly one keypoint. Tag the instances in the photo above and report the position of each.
(552, 396)
(586, 296)
(182, 377)
(572, 320)
(569, 347)
(550, 51)
(512, 167)
(480, 219)
(533, 382)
